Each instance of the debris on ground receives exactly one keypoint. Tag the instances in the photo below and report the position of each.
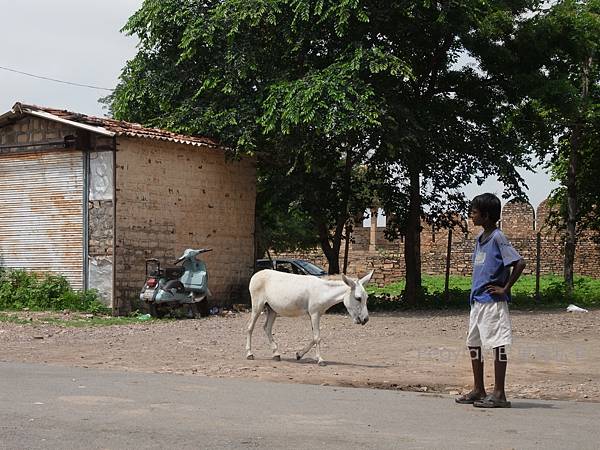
(575, 308)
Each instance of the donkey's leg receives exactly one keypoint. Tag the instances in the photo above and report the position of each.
(313, 341)
(315, 322)
(253, 318)
(271, 316)
(305, 350)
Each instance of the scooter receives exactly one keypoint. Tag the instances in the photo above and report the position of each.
(177, 286)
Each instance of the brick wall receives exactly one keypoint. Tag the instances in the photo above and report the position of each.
(174, 196)
(519, 222)
(32, 131)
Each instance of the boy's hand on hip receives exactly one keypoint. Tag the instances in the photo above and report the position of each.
(496, 290)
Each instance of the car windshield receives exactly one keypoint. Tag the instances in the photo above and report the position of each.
(311, 268)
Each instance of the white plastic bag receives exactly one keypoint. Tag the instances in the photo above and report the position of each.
(573, 308)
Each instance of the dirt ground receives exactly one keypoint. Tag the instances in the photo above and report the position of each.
(554, 356)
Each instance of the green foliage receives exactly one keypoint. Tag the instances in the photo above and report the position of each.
(20, 289)
(285, 80)
(289, 227)
(338, 99)
(557, 72)
(587, 185)
(552, 293)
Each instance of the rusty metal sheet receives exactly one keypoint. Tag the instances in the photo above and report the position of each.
(41, 213)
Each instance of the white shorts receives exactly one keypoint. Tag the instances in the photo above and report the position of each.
(489, 325)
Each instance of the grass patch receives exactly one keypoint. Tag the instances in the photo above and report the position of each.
(552, 293)
(13, 318)
(69, 320)
(93, 321)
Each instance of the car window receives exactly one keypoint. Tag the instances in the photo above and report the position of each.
(284, 266)
(310, 268)
(297, 269)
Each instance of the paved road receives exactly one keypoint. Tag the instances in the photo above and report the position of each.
(52, 407)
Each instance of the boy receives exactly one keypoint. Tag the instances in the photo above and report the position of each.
(489, 322)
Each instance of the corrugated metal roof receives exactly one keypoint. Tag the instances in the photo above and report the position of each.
(105, 126)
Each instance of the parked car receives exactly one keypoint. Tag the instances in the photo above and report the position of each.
(297, 266)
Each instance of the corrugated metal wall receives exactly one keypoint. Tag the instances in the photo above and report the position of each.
(41, 213)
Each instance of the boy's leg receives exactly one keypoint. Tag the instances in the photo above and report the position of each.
(474, 345)
(478, 392)
(500, 362)
(497, 334)
(477, 365)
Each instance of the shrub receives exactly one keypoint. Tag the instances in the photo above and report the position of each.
(20, 289)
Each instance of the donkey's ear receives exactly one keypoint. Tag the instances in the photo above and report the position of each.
(350, 282)
(364, 280)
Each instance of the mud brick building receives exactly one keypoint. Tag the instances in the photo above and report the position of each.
(91, 198)
(519, 222)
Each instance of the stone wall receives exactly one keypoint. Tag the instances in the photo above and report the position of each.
(100, 215)
(174, 196)
(519, 222)
(100, 248)
(101, 218)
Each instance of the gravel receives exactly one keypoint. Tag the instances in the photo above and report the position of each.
(554, 355)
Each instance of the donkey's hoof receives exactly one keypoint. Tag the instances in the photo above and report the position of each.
(250, 357)
(321, 363)
(276, 357)
(298, 356)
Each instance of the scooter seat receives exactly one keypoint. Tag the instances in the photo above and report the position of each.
(173, 273)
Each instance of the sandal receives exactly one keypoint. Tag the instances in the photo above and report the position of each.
(468, 399)
(491, 402)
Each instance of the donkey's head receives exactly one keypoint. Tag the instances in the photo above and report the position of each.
(355, 299)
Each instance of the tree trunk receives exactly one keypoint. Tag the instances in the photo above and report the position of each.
(347, 246)
(412, 242)
(571, 238)
(331, 247)
(572, 211)
(334, 261)
(331, 250)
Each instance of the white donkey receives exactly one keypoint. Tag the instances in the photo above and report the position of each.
(294, 295)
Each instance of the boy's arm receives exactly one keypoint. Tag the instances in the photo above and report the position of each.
(515, 273)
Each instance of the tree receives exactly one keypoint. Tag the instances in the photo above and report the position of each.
(310, 205)
(277, 79)
(559, 70)
(587, 187)
(334, 97)
(450, 121)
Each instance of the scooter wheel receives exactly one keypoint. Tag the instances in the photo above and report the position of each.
(155, 311)
(199, 309)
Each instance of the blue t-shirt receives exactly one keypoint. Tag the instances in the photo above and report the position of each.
(491, 265)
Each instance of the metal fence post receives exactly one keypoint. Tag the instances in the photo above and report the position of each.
(448, 254)
(538, 256)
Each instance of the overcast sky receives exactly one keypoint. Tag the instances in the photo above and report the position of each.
(79, 41)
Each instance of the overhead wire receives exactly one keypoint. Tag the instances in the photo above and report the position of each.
(55, 80)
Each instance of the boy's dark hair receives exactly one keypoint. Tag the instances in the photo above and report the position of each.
(488, 204)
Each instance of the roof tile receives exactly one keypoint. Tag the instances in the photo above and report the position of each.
(121, 128)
